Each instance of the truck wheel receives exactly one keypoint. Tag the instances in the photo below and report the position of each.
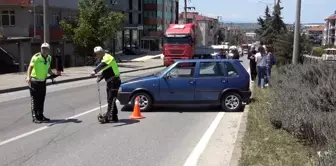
(231, 102)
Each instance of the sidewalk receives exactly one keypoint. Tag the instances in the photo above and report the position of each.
(16, 81)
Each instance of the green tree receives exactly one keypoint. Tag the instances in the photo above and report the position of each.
(263, 22)
(96, 24)
(274, 25)
(283, 47)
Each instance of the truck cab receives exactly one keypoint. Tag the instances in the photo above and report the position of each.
(178, 43)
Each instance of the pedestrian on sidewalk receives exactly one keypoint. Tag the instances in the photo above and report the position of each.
(270, 61)
(253, 65)
(261, 66)
(221, 54)
(37, 73)
(111, 74)
(59, 64)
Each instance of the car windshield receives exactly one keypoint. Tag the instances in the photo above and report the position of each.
(177, 40)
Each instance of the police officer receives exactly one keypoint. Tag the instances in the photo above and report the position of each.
(37, 73)
(110, 72)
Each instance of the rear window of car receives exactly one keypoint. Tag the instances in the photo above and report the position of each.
(211, 69)
(231, 71)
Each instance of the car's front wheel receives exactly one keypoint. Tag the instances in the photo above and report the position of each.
(145, 103)
(231, 102)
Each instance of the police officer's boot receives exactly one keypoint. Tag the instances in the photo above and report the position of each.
(112, 113)
(36, 118)
(43, 118)
(115, 118)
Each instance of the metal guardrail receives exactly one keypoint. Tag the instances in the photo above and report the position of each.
(312, 57)
(315, 58)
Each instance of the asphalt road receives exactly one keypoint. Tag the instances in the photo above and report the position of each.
(168, 136)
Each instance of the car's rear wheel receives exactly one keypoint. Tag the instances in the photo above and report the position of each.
(231, 102)
(146, 101)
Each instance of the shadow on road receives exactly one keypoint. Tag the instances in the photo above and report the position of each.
(181, 109)
(61, 121)
(125, 122)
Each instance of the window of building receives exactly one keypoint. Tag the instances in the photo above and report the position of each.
(140, 5)
(39, 18)
(113, 2)
(130, 5)
(139, 18)
(130, 18)
(8, 18)
(55, 18)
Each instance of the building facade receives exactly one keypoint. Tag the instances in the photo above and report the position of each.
(329, 34)
(24, 18)
(157, 15)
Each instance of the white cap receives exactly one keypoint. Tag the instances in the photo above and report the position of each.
(45, 45)
(98, 49)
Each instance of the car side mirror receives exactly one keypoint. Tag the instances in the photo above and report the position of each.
(167, 76)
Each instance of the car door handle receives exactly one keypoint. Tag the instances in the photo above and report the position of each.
(191, 81)
(223, 81)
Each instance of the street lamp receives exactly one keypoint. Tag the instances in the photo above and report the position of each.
(296, 45)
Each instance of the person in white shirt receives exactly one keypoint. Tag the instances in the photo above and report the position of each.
(261, 66)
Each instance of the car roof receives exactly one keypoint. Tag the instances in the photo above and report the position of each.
(209, 60)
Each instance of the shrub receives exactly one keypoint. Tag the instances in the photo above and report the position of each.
(318, 51)
(304, 103)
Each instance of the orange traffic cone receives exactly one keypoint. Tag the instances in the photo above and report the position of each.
(136, 111)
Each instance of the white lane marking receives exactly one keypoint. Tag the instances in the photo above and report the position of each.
(46, 127)
(200, 147)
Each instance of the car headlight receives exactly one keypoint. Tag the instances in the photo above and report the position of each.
(120, 89)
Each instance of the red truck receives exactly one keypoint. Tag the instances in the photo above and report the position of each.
(179, 43)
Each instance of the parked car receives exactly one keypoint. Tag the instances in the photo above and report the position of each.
(205, 81)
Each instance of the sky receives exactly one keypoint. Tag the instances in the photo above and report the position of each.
(241, 11)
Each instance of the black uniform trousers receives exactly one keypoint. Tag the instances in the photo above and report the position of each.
(112, 88)
(37, 95)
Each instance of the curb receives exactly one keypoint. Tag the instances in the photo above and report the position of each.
(237, 150)
(73, 79)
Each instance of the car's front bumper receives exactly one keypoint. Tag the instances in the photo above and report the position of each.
(246, 96)
(124, 97)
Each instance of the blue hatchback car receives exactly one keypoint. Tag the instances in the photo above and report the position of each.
(202, 81)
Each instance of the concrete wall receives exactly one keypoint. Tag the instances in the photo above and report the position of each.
(70, 4)
(13, 49)
(21, 28)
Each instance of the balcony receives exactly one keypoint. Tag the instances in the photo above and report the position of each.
(55, 32)
(152, 21)
(13, 31)
(15, 2)
(152, 33)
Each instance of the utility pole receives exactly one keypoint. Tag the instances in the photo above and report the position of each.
(296, 45)
(185, 11)
(34, 15)
(45, 21)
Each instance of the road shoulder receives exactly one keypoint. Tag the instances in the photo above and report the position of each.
(220, 147)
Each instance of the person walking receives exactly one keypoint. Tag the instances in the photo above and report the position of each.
(37, 73)
(111, 74)
(253, 65)
(270, 61)
(221, 54)
(235, 54)
(261, 66)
